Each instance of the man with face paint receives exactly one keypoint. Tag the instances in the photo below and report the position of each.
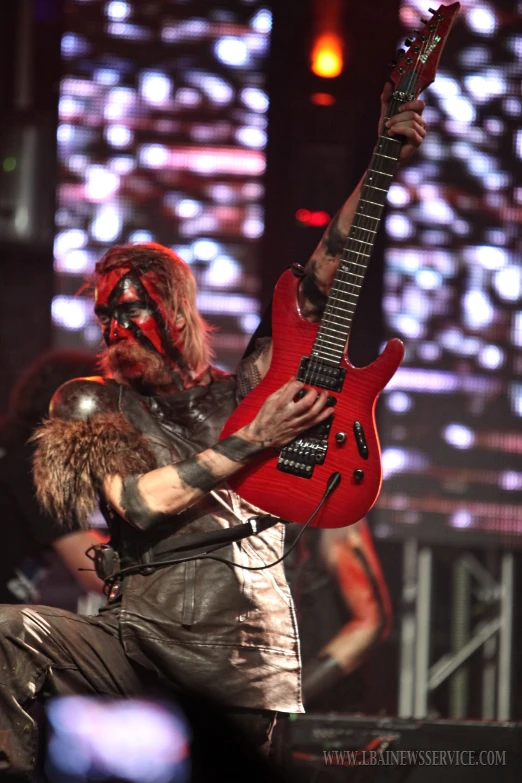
(142, 442)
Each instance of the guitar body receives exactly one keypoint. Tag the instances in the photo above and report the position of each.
(295, 497)
(291, 483)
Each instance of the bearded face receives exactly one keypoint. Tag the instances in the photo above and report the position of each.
(140, 347)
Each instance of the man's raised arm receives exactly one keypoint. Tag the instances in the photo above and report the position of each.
(322, 265)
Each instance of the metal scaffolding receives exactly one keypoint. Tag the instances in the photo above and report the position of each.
(419, 678)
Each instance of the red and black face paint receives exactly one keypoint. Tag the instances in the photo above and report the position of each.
(128, 306)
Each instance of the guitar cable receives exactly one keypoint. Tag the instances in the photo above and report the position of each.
(333, 483)
(256, 525)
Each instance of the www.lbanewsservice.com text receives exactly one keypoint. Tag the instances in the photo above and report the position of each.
(415, 758)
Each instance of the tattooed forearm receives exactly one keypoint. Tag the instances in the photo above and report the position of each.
(313, 294)
(176, 487)
(136, 509)
(333, 240)
(238, 449)
(197, 472)
(194, 473)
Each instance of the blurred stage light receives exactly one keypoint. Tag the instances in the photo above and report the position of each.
(188, 208)
(261, 22)
(155, 87)
(323, 99)
(131, 740)
(315, 219)
(107, 224)
(482, 19)
(232, 51)
(327, 56)
(141, 236)
(255, 99)
(186, 96)
(69, 312)
(398, 226)
(118, 10)
(399, 402)
(253, 227)
(129, 31)
(251, 137)
(491, 357)
(222, 272)
(508, 283)
(101, 183)
(119, 135)
(154, 156)
(205, 249)
(461, 519)
(250, 322)
(459, 436)
(165, 140)
(74, 46)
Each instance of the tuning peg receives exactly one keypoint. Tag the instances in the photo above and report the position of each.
(408, 41)
(400, 52)
(416, 32)
(431, 11)
(392, 63)
(424, 21)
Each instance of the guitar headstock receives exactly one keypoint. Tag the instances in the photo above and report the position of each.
(416, 67)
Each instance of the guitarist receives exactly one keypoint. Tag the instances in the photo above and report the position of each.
(141, 442)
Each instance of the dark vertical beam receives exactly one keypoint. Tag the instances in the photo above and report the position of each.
(30, 57)
(317, 154)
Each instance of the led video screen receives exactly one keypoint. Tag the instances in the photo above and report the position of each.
(161, 137)
(451, 417)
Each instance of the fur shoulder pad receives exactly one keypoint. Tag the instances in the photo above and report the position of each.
(83, 398)
(73, 457)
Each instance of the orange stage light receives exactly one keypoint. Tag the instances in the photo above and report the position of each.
(327, 56)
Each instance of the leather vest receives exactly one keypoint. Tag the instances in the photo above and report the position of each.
(221, 629)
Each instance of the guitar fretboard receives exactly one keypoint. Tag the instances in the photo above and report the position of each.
(337, 318)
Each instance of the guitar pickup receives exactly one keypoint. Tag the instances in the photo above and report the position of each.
(316, 372)
(360, 439)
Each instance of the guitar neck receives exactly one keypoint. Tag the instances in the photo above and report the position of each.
(337, 318)
(415, 71)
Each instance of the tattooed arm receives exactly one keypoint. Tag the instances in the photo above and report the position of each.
(150, 498)
(322, 265)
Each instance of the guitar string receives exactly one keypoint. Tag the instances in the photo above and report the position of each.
(354, 239)
(343, 280)
(356, 242)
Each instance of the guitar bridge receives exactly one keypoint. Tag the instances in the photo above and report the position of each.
(300, 456)
(317, 372)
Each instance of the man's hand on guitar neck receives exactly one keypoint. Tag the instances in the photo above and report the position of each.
(408, 123)
(322, 265)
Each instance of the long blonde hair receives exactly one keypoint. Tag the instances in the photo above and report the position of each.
(175, 284)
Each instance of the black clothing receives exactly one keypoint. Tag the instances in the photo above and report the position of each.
(214, 628)
(75, 655)
(27, 532)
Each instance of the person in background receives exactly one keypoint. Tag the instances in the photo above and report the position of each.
(29, 535)
(343, 609)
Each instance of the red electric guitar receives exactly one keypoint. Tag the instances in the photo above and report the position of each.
(292, 483)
